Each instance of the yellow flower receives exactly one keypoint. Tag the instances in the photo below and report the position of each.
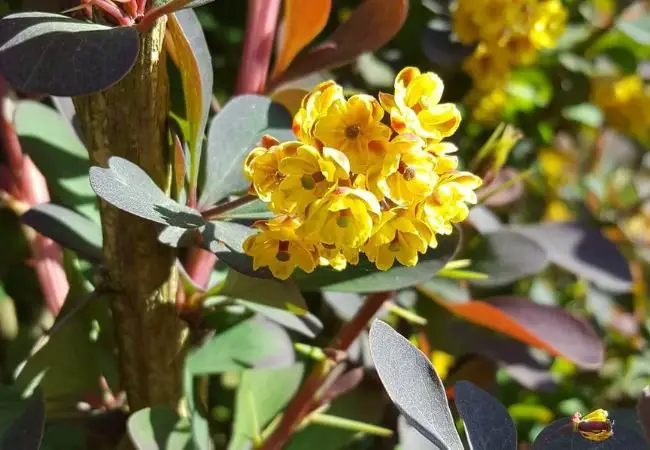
(448, 203)
(308, 176)
(408, 172)
(344, 218)
(337, 258)
(488, 67)
(399, 235)
(262, 166)
(445, 162)
(351, 126)
(416, 109)
(314, 104)
(279, 248)
(487, 106)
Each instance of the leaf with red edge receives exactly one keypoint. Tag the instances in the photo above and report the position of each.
(303, 20)
(549, 328)
(370, 26)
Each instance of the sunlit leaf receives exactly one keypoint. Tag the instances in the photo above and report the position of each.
(195, 66)
(232, 135)
(54, 54)
(413, 385)
(129, 188)
(637, 28)
(303, 21)
(487, 423)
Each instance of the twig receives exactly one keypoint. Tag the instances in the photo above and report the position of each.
(216, 211)
(303, 402)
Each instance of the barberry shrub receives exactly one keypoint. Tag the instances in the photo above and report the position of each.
(208, 249)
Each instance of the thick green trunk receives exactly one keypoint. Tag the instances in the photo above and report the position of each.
(129, 120)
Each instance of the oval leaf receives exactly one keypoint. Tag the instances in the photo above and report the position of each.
(68, 228)
(584, 251)
(158, 428)
(127, 187)
(54, 54)
(233, 133)
(560, 436)
(487, 422)
(261, 394)
(195, 65)
(303, 20)
(57, 151)
(550, 328)
(413, 385)
(505, 257)
(365, 277)
(370, 26)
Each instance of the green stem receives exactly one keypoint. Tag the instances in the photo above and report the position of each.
(348, 424)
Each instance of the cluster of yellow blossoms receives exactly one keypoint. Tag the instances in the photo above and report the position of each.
(625, 102)
(508, 33)
(353, 184)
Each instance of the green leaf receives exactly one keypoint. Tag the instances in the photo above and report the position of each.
(54, 54)
(529, 88)
(159, 428)
(413, 385)
(233, 133)
(505, 257)
(22, 420)
(278, 294)
(252, 343)
(305, 324)
(64, 375)
(59, 154)
(255, 210)
(261, 394)
(584, 113)
(68, 228)
(129, 188)
(637, 28)
(365, 277)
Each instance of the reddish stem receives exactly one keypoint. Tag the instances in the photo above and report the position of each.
(304, 401)
(114, 11)
(31, 187)
(253, 72)
(142, 5)
(155, 13)
(258, 44)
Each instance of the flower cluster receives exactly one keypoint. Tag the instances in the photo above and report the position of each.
(507, 33)
(625, 102)
(355, 183)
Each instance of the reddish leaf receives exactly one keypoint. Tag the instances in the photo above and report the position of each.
(547, 327)
(368, 28)
(303, 20)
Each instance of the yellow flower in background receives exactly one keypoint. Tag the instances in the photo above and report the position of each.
(345, 218)
(316, 103)
(416, 109)
(408, 172)
(262, 166)
(487, 106)
(625, 102)
(308, 176)
(488, 67)
(351, 126)
(345, 187)
(399, 236)
(279, 248)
